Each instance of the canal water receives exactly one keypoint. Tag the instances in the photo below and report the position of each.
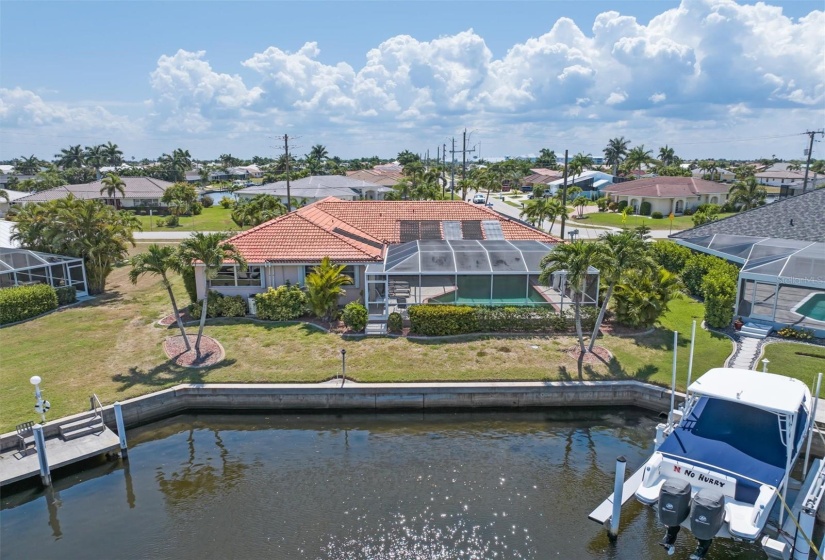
(353, 486)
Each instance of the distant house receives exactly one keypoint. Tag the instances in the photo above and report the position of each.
(591, 182)
(722, 175)
(383, 178)
(13, 196)
(780, 248)
(7, 172)
(318, 187)
(668, 194)
(788, 183)
(139, 192)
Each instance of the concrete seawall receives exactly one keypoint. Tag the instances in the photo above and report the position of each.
(378, 397)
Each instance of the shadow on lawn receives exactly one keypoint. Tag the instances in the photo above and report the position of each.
(165, 374)
(615, 371)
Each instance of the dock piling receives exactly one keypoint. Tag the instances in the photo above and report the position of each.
(121, 430)
(42, 460)
(618, 486)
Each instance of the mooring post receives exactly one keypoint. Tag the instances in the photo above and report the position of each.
(43, 461)
(121, 430)
(673, 380)
(618, 486)
(690, 360)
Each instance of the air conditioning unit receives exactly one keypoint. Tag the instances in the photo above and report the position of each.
(253, 308)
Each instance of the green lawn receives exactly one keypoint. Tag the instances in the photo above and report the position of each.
(111, 347)
(615, 219)
(215, 218)
(802, 361)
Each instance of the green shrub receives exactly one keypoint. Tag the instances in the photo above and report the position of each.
(197, 209)
(226, 203)
(694, 271)
(622, 205)
(213, 306)
(395, 323)
(355, 316)
(284, 303)
(669, 255)
(613, 206)
(644, 208)
(719, 289)
(800, 334)
(66, 295)
(442, 320)
(232, 306)
(24, 302)
(171, 221)
(189, 284)
(689, 211)
(160, 222)
(207, 201)
(656, 215)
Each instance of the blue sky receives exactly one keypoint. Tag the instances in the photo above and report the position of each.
(712, 78)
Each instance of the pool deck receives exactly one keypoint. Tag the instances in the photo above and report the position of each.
(14, 466)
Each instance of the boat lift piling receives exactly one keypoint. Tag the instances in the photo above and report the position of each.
(618, 486)
(121, 430)
(42, 461)
(690, 360)
(813, 422)
(673, 381)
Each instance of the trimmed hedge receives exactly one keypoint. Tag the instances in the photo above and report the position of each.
(23, 302)
(232, 306)
(66, 295)
(355, 316)
(284, 303)
(444, 320)
(395, 323)
(644, 208)
(669, 255)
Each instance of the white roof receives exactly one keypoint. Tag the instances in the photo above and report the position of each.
(6, 231)
(14, 195)
(767, 391)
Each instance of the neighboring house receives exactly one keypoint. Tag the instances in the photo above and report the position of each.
(399, 253)
(722, 175)
(21, 267)
(591, 182)
(780, 248)
(788, 183)
(318, 187)
(668, 194)
(383, 178)
(6, 232)
(13, 196)
(139, 192)
(7, 172)
(554, 173)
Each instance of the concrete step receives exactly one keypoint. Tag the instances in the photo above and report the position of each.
(753, 331)
(84, 426)
(376, 329)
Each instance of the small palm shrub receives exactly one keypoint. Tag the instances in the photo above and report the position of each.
(395, 323)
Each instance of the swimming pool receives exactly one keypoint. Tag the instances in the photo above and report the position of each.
(812, 307)
(534, 298)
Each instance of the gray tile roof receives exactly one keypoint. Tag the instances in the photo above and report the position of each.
(317, 186)
(136, 187)
(799, 217)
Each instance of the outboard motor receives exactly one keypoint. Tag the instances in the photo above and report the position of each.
(674, 507)
(706, 518)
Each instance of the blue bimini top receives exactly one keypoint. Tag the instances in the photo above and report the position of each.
(736, 439)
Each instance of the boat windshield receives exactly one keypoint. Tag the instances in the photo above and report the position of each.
(752, 431)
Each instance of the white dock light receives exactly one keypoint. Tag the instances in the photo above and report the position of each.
(41, 406)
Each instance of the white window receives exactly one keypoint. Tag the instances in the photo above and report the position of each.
(230, 275)
(349, 270)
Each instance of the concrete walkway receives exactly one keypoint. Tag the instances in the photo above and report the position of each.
(747, 352)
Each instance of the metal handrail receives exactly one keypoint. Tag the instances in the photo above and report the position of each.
(96, 405)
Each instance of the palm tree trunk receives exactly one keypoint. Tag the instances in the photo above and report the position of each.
(578, 308)
(600, 318)
(200, 328)
(177, 314)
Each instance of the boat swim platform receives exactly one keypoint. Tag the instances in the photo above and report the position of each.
(14, 466)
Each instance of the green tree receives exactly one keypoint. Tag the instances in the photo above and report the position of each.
(406, 157)
(667, 156)
(719, 289)
(210, 251)
(579, 203)
(324, 286)
(112, 185)
(578, 164)
(27, 165)
(319, 152)
(547, 159)
(160, 261)
(710, 167)
(259, 209)
(96, 157)
(73, 156)
(638, 157)
(179, 198)
(794, 165)
(176, 164)
(615, 152)
(747, 194)
(113, 154)
(574, 259)
(620, 254)
(643, 297)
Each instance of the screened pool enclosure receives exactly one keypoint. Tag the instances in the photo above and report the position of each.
(21, 267)
(467, 272)
(781, 282)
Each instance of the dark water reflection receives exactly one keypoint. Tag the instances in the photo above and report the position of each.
(392, 486)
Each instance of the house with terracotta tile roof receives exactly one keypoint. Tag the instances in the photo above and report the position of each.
(398, 253)
(668, 194)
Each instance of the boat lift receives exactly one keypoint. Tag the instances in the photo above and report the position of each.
(793, 539)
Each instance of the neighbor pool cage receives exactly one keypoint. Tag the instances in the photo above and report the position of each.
(467, 272)
(21, 267)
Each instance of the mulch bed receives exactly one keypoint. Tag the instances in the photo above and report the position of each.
(599, 355)
(170, 320)
(211, 351)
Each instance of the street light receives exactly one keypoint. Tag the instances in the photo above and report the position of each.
(41, 406)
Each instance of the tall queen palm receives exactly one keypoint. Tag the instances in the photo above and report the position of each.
(159, 261)
(211, 251)
(112, 185)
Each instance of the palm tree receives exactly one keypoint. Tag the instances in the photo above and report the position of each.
(73, 156)
(112, 184)
(318, 152)
(547, 158)
(324, 286)
(28, 165)
(795, 165)
(555, 209)
(620, 253)
(535, 211)
(709, 167)
(177, 164)
(579, 203)
(747, 194)
(615, 151)
(227, 161)
(209, 251)
(642, 297)
(204, 173)
(159, 261)
(638, 157)
(96, 157)
(666, 155)
(4, 195)
(578, 164)
(113, 154)
(574, 259)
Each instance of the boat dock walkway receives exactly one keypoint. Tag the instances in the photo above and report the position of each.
(15, 466)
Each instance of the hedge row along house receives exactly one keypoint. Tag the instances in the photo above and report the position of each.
(400, 253)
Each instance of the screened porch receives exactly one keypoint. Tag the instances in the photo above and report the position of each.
(21, 267)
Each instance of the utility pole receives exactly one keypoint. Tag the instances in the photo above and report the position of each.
(564, 196)
(452, 171)
(464, 152)
(444, 168)
(811, 134)
(286, 158)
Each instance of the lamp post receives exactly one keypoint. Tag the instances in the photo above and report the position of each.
(343, 366)
(41, 406)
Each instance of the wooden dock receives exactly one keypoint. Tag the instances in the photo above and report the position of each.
(14, 466)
